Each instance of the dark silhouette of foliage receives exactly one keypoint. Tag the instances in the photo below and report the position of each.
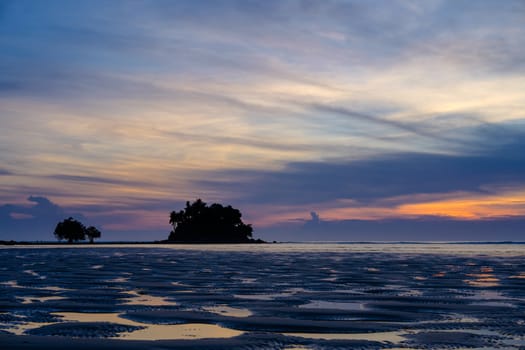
(73, 231)
(70, 229)
(92, 233)
(199, 223)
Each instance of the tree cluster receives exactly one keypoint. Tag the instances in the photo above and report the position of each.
(73, 231)
(200, 223)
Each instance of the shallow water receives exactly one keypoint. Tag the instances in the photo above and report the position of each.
(499, 249)
(153, 331)
(304, 295)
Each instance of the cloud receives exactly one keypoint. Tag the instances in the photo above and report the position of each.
(253, 142)
(315, 217)
(423, 229)
(34, 222)
(489, 40)
(382, 176)
(43, 206)
(37, 220)
(414, 128)
(97, 179)
(270, 102)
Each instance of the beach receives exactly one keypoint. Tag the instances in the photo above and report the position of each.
(277, 296)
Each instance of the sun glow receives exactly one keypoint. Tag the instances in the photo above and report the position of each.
(471, 207)
(460, 205)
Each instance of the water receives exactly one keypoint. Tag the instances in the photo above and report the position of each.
(498, 249)
(301, 295)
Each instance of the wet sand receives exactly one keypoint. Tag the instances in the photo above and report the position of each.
(156, 298)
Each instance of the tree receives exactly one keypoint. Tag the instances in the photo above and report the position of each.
(70, 229)
(73, 230)
(92, 233)
(199, 223)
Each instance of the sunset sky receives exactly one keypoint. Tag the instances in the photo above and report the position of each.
(319, 120)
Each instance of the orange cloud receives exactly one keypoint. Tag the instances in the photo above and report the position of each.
(457, 205)
(471, 207)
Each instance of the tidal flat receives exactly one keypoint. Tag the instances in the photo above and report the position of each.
(272, 296)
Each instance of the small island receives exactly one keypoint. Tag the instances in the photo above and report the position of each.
(200, 223)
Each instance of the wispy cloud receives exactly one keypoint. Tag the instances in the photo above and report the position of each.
(376, 179)
(417, 129)
(299, 104)
(403, 229)
(96, 179)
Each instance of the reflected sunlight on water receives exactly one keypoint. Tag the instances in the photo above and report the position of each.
(485, 278)
(519, 276)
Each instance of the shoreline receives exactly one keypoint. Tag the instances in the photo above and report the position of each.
(163, 243)
(94, 244)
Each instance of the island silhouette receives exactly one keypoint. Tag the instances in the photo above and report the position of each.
(197, 223)
(200, 223)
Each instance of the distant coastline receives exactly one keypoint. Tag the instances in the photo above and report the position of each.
(164, 242)
(258, 241)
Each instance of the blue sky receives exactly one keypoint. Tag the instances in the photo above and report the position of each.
(408, 115)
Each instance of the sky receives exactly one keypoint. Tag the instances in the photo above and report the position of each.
(320, 120)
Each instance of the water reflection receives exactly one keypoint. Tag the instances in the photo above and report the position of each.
(34, 274)
(154, 331)
(118, 280)
(393, 337)
(14, 284)
(342, 247)
(519, 275)
(181, 331)
(146, 300)
(22, 327)
(387, 292)
(485, 278)
(321, 304)
(228, 311)
(263, 297)
(33, 299)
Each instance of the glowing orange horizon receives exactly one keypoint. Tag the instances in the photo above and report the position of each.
(458, 206)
